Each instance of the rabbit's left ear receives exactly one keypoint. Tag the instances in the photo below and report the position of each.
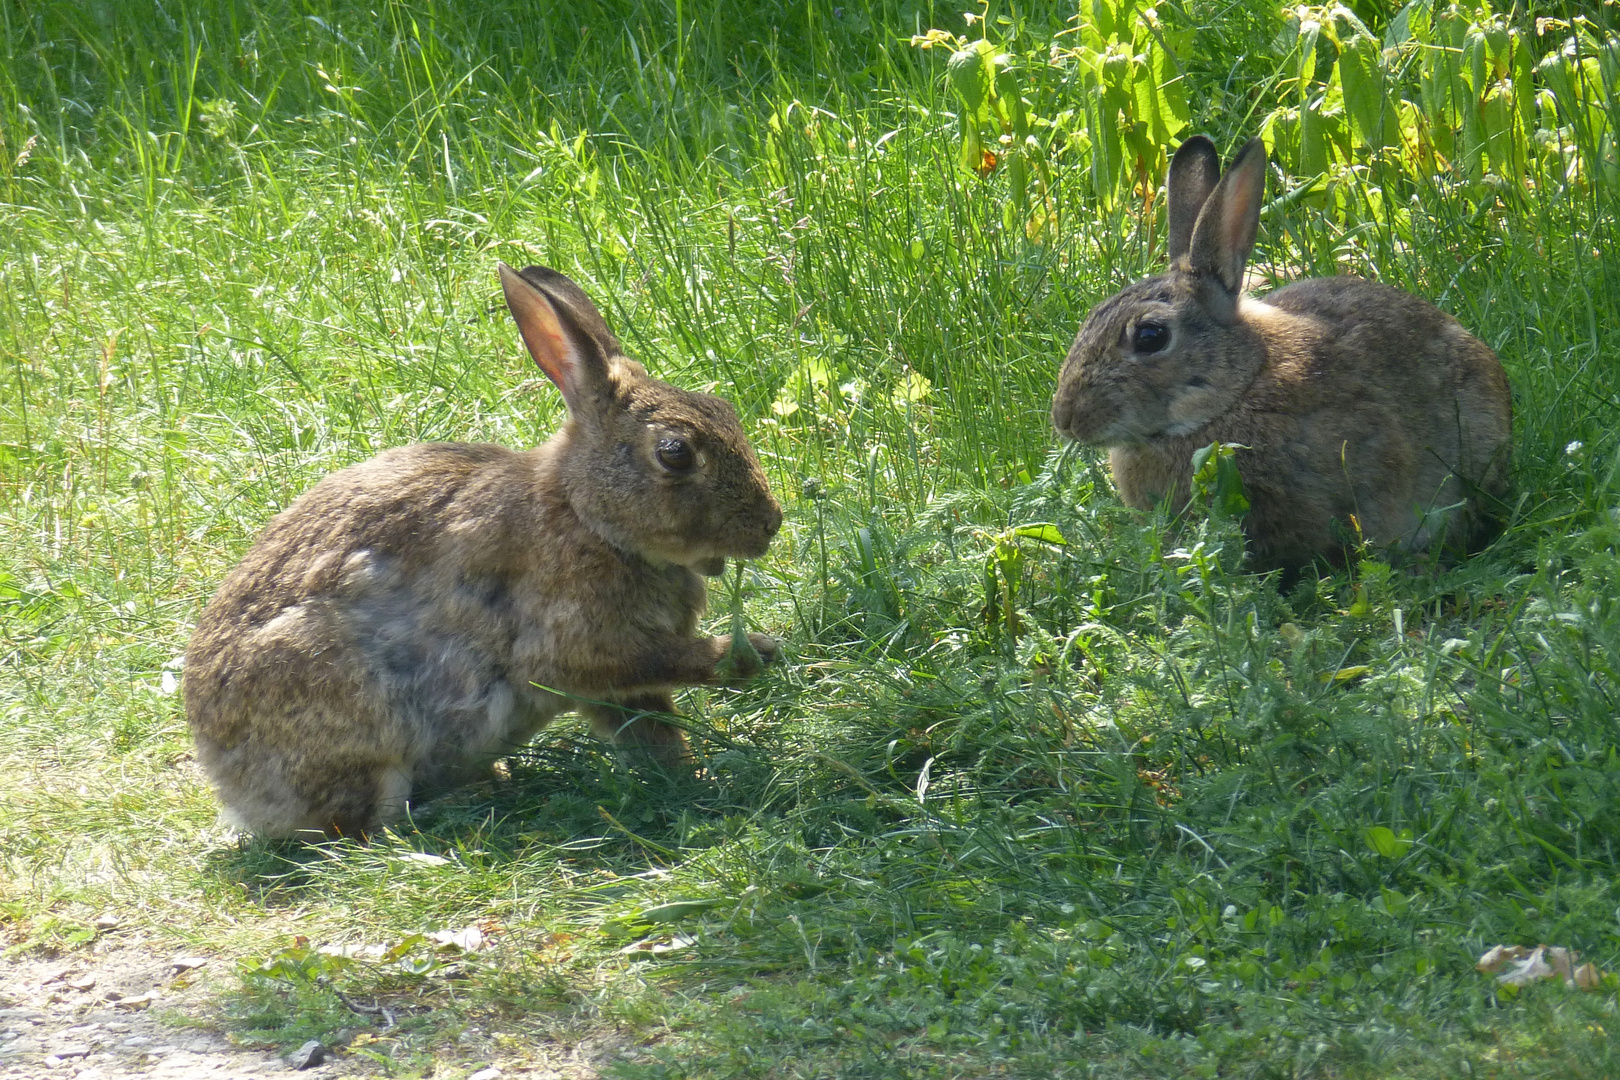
(1224, 234)
(563, 291)
(565, 334)
(1194, 172)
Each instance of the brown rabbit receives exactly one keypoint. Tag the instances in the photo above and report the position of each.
(412, 618)
(1359, 404)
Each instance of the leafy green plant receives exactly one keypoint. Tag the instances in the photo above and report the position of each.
(1465, 90)
(1004, 575)
(1105, 94)
(997, 126)
(1216, 481)
(1131, 102)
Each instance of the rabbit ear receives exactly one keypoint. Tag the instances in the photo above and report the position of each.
(561, 289)
(564, 333)
(1226, 227)
(1193, 175)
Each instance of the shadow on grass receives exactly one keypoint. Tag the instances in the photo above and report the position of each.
(572, 798)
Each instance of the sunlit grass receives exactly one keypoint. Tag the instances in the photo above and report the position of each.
(251, 244)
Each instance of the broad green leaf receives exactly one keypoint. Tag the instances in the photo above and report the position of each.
(1018, 182)
(970, 78)
(1522, 70)
(1384, 842)
(1361, 75)
(1498, 43)
(1009, 95)
(972, 154)
(1305, 57)
(1045, 532)
(1313, 147)
(914, 386)
(1118, 69)
(1104, 17)
(1410, 23)
(1106, 153)
(1557, 72)
(1475, 61)
(1502, 142)
(1171, 107)
(1354, 27)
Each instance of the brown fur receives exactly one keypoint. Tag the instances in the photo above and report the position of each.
(412, 618)
(1353, 399)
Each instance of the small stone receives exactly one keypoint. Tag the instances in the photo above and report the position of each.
(307, 1056)
(76, 1050)
(83, 982)
(485, 1074)
(188, 963)
(52, 1061)
(107, 921)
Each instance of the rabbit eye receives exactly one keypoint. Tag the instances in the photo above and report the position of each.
(675, 455)
(1150, 337)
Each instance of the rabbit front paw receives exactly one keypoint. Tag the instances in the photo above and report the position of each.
(743, 661)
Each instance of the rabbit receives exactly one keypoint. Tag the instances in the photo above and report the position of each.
(411, 619)
(1359, 408)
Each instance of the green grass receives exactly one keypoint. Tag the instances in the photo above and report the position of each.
(1119, 828)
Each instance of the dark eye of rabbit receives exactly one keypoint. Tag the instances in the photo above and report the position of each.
(1150, 337)
(675, 455)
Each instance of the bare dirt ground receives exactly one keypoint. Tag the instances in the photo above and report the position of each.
(127, 1009)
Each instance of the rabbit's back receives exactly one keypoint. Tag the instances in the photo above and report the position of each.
(1441, 394)
(1402, 344)
(337, 658)
(387, 631)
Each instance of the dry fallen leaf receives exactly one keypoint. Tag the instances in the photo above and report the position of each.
(1521, 966)
(467, 939)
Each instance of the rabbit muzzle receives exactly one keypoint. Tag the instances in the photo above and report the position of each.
(751, 535)
(1078, 414)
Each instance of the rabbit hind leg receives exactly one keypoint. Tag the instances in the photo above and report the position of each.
(637, 721)
(350, 801)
